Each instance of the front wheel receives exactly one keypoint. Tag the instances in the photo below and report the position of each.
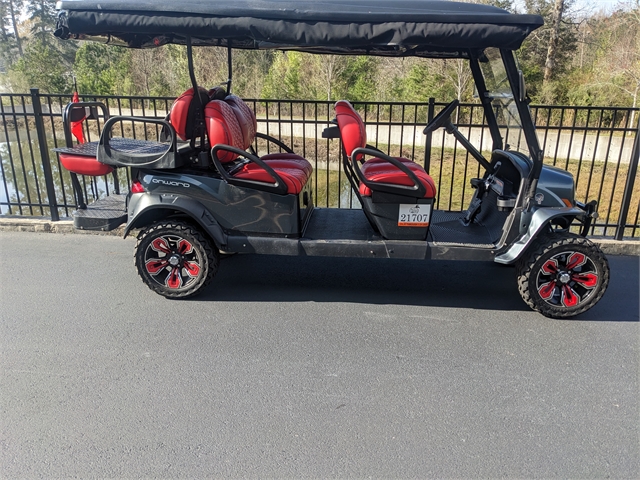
(562, 275)
(175, 259)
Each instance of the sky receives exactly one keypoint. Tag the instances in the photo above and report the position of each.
(595, 5)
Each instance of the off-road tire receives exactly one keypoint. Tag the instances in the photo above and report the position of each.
(203, 254)
(549, 248)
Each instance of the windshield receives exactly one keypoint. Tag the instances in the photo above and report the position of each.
(504, 106)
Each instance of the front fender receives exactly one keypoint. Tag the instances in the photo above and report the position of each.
(146, 208)
(539, 220)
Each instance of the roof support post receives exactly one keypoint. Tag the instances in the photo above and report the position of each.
(523, 110)
(197, 96)
(192, 74)
(229, 66)
(537, 155)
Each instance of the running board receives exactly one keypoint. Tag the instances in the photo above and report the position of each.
(406, 249)
(105, 214)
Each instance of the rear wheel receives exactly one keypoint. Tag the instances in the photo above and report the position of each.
(562, 275)
(175, 259)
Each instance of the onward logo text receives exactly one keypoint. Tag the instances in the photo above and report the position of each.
(170, 183)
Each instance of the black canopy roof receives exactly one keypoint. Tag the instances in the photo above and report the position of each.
(378, 27)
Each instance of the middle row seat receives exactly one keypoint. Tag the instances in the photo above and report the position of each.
(230, 122)
(377, 171)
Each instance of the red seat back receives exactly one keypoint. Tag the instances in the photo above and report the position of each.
(183, 113)
(352, 129)
(223, 128)
(246, 119)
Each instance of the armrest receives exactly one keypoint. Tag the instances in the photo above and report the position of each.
(68, 113)
(118, 158)
(279, 187)
(417, 190)
(271, 139)
(371, 147)
(331, 132)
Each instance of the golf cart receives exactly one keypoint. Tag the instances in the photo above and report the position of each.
(203, 189)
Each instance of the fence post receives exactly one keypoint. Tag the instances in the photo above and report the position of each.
(628, 189)
(427, 142)
(44, 154)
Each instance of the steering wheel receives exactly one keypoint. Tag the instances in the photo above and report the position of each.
(441, 118)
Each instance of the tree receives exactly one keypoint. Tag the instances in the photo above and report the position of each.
(358, 79)
(6, 44)
(43, 67)
(102, 70)
(616, 67)
(12, 8)
(439, 79)
(550, 62)
(329, 68)
(286, 78)
(457, 71)
(534, 54)
(43, 17)
(3, 21)
(250, 68)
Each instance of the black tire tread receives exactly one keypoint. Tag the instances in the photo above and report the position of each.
(544, 243)
(211, 252)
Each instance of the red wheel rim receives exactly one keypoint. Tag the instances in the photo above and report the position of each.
(567, 279)
(172, 261)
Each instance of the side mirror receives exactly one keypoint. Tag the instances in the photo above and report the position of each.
(522, 88)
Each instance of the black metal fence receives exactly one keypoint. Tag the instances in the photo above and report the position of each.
(599, 145)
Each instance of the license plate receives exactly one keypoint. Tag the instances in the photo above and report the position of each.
(414, 215)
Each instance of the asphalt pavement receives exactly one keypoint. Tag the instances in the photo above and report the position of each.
(307, 368)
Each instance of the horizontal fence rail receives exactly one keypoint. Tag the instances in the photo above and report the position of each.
(598, 145)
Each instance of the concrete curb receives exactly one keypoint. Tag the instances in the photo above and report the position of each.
(617, 247)
(45, 225)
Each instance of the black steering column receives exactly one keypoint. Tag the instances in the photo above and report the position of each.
(443, 119)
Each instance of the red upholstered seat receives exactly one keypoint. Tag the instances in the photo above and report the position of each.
(183, 113)
(231, 122)
(246, 119)
(354, 135)
(84, 165)
(288, 160)
(385, 172)
(373, 161)
(249, 126)
(294, 177)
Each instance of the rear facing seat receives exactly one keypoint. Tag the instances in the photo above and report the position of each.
(79, 159)
(232, 127)
(82, 158)
(228, 121)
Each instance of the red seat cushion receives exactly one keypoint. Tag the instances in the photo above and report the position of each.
(83, 165)
(288, 160)
(231, 122)
(292, 175)
(377, 161)
(379, 170)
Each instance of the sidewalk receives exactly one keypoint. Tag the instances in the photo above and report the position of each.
(45, 225)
